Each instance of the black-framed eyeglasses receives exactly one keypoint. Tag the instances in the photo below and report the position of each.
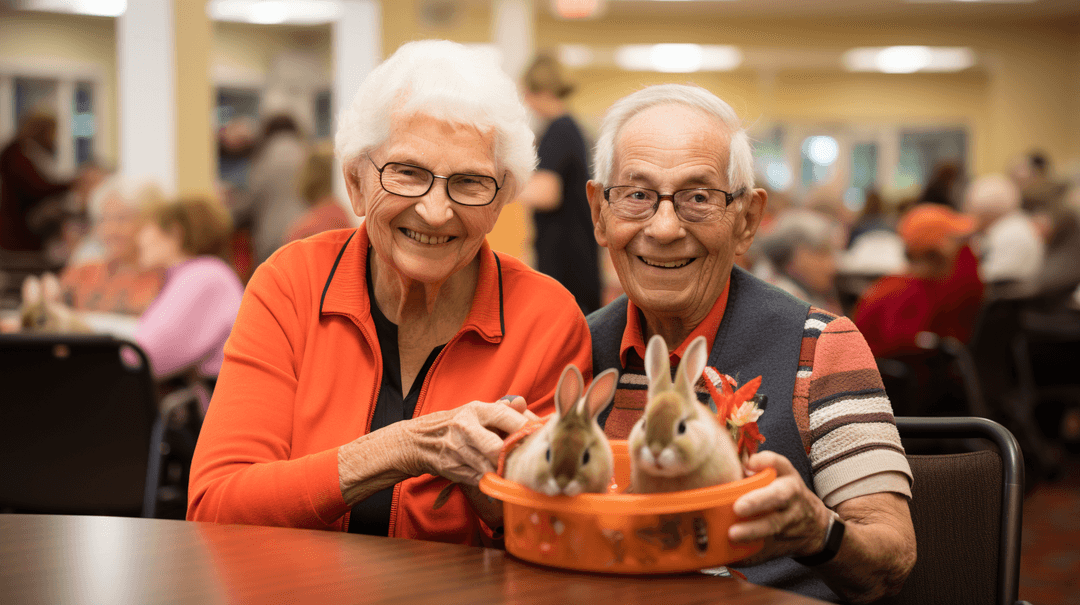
(691, 205)
(407, 180)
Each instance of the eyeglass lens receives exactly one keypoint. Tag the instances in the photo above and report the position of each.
(691, 205)
(413, 181)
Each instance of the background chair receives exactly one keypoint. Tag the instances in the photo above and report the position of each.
(80, 431)
(967, 510)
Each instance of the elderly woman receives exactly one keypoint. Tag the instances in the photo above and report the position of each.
(111, 281)
(366, 366)
(674, 202)
(185, 328)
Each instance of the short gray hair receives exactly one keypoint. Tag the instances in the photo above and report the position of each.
(446, 81)
(740, 155)
(132, 193)
(992, 194)
(795, 228)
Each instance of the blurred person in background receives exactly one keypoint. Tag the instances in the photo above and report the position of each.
(801, 248)
(873, 217)
(945, 186)
(1060, 273)
(105, 275)
(30, 204)
(565, 246)
(371, 367)
(236, 143)
(940, 293)
(271, 201)
(1009, 247)
(185, 327)
(317, 190)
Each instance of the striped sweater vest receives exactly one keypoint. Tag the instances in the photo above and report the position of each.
(761, 335)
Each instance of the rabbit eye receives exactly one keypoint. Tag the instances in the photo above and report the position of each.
(682, 427)
(585, 458)
(548, 455)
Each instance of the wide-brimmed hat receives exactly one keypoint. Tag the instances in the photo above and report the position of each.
(931, 226)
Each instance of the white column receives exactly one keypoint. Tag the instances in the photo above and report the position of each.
(513, 25)
(357, 40)
(7, 107)
(146, 85)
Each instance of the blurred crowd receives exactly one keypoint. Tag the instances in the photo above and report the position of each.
(97, 252)
(968, 293)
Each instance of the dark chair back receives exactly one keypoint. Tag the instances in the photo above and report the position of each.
(79, 429)
(967, 510)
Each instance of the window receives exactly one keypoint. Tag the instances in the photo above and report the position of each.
(234, 103)
(921, 150)
(33, 94)
(819, 155)
(324, 117)
(83, 126)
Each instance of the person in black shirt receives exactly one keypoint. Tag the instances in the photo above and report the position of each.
(565, 246)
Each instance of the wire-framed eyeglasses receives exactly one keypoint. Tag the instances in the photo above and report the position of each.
(691, 205)
(407, 180)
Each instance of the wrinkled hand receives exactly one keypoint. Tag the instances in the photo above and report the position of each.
(460, 444)
(786, 513)
(517, 403)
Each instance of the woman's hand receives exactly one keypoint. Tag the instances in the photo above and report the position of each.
(460, 444)
(790, 518)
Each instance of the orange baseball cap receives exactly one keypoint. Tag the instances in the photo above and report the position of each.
(929, 226)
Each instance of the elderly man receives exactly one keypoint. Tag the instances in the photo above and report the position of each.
(674, 203)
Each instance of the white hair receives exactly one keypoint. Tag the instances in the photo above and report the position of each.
(446, 81)
(795, 228)
(992, 194)
(740, 169)
(132, 193)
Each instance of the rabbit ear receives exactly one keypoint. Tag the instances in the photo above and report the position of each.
(657, 365)
(31, 290)
(569, 390)
(691, 366)
(51, 287)
(600, 393)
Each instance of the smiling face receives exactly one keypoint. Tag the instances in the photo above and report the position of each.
(158, 248)
(117, 228)
(429, 238)
(669, 267)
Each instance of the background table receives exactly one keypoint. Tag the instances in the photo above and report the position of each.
(71, 559)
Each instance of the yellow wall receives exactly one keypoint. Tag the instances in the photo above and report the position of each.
(196, 170)
(1023, 93)
(44, 39)
(402, 22)
(252, 48)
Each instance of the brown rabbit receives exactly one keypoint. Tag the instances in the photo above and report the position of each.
(42, 310)
(678, 443)
(570, 455)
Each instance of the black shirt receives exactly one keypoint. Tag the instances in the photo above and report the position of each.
(372, 515)
(565, 245)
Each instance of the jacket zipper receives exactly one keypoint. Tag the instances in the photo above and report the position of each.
(416, 412)
(371, 413)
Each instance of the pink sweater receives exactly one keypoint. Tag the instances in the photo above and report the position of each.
(187, 324)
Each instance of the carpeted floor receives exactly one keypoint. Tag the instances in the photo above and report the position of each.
(1050, 550)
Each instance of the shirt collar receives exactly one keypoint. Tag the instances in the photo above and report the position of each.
(346, 293)
(633, 338)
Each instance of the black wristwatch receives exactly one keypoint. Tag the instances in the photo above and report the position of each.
(834, 536)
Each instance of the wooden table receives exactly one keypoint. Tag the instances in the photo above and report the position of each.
(69, 559)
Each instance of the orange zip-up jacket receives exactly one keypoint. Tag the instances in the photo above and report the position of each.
(302, 372)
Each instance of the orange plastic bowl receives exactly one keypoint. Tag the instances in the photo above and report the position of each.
(672, 532)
